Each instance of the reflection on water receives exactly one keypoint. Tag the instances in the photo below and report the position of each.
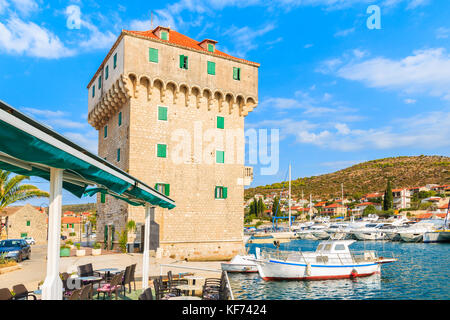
(422, 272)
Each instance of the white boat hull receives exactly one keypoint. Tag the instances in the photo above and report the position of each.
(369, 236)
(436, 236)
(411, 237)
(229, 267)
(285, 270)
(240, 264)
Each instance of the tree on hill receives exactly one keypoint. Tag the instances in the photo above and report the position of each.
(261, 207)
(388, 197)
(275, 206)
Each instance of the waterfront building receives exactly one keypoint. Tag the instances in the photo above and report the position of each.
(158, 90)
(401, 198)
(24, 221)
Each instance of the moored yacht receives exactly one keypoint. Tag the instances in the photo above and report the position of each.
(331, 260)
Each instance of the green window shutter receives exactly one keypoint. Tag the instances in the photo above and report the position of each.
(167, 189)
(210, 47)
(181, 61)
(120, 118)
(220, 156)
(186, 62)
(162, 113)
(220, 122)
(216, 192)
(225, 193)
(115, 60)
(102, 198)
(106, 72)
(211, 68)
(28, 223)
(23, 235)
(162, 151)
(118, 155)
(99, 82)
(236, 73)
(153, 55)
(164, 35)
(93, 91)
(105, 132)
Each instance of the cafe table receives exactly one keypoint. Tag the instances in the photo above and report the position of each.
(187, 288)
(193, 279)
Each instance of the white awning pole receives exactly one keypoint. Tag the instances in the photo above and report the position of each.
(52, 287)
(149, 216)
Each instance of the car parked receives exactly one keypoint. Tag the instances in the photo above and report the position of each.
(17, 249)
(29, 240)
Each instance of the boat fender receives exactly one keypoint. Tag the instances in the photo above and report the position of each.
(353, 274)
(258, 253)
(308, 269)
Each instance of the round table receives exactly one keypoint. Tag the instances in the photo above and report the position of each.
(186, 287)
(185, 298)
(107, 272)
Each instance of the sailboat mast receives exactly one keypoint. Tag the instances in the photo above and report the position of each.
(310, 206)
(289, 197)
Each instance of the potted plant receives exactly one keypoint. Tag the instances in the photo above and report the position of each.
(64, 251)
(80, 253)
(96, 249)
(131, 228)
(69, 243)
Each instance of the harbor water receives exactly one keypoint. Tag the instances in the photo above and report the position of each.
(422, 272)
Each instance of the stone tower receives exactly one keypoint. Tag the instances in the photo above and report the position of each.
(170, 111)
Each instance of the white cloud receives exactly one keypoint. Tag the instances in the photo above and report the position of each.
(97, 39)
(87, 140)
(409, 101)
(344, 33)
(442, 33)
(25, 7)
(19, 37)
(244, 38)
(425, 71)
(3, 5)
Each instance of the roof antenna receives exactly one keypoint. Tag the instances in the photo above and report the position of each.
(151, 19)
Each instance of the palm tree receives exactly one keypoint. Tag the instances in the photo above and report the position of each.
(11, 190)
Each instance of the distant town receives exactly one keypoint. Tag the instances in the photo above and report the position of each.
(422, 202)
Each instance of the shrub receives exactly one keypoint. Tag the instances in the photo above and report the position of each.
(78, 245)
(96, 245)
(123, 239)
(69, 242)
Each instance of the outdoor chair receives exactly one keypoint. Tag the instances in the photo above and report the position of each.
(175, 282)
(87, 292)
(21, 293)
(5, 294)
(86, 270)
(146, 295)
(133, 272)
(162, 293)
(113, 286)
(75, 295)
(127, 279)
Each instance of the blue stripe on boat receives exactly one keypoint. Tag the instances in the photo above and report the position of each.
(324, 266)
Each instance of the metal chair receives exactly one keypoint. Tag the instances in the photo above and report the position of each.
(86, 292)
(113, 286)
(146, 295)
(5, 294)
(21, 293)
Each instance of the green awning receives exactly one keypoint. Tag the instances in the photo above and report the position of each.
(29, 148)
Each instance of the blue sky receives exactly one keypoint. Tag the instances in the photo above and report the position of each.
(339, 92)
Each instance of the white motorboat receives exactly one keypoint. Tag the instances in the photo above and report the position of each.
(441, 235)
(415, 232)
(305, 234)
(331, 260)
(319, 231)
(240, 264)
(370, 232)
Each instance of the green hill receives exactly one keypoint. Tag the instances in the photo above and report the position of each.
(370, 176)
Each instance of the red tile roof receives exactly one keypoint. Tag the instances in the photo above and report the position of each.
(429, 215)
(175, 38)
(367, 204)
(69, 220)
